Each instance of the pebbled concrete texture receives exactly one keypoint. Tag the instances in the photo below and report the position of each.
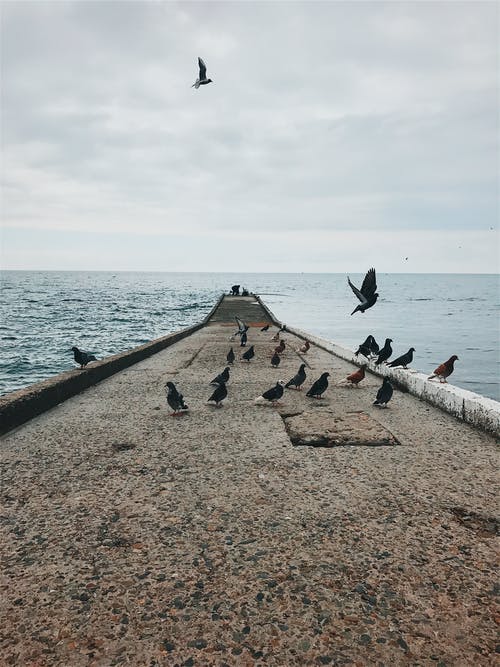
(133, 537)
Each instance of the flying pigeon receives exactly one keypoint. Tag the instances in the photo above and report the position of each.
(222, 377)
(298, 380)
(202, 78)
(265, 328)
(319, 387)
(230, 356)
(276, 359)
(304, 348)
(242, 327)
(249, 354)
(385, 352)
(243, 339)
(272, 395)
(81, 357)
(444, 370)
(280, 348)
(356, 377)
(219, 395)
(404, 359)
(174, 399)
(384, 394)
(368, 292)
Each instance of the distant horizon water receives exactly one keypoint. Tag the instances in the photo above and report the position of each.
(44, 313)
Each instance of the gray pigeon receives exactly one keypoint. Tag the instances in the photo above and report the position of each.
(298, 380)
(404, 359)
(230, 356)
(174, 399)
(222, 377)
(81, 357)
(219, 395)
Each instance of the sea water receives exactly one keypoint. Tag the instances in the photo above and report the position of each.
(44, 313)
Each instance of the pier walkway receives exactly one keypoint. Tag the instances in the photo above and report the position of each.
(133, 537)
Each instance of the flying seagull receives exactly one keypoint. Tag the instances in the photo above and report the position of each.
(174, 399)
(81, 357)
(368, 292)
(202, 78)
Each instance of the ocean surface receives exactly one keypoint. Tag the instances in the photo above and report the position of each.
(44, 313)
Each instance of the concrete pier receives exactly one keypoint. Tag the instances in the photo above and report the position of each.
(133, 537)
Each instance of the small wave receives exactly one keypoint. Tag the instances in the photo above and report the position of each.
(31, 300)
(80, 300)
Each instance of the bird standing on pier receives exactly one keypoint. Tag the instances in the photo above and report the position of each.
(368, 348)
(444, 370)
(356, 377)
(243, 339)
(368, 292)
(230, 356)
(319, 387)
(175, 400)
(202, 79)
(279, 349)
(385, 352)
(222, 377)
(404, 359)
(265, 327)
(384, 394)
(81, 357)
(275, 361)
(298, 379)
(303, 349)
(249, 354)
(219, 395)
(272, 395)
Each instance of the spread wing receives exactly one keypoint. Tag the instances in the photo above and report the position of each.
(203, 69)
(357, 292)
(369, 286)
(242, 327)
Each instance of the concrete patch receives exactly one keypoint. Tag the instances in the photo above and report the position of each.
(323, 428)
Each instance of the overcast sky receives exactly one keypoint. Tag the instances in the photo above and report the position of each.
(336, 136)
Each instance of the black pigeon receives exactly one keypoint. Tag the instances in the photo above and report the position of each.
(276, 359)
(374, 348)
(319, 387)
(298, 380)
(368, 292)
(174, 399)
(219, 395)
(272, 395)
(385, 352)
(404, 359)
(384, 394)
(81, 357)
(364, 348)
(230, 356)
(202, 78)
(265, 328)
(244, 339)
(222, 377)
(249, 354)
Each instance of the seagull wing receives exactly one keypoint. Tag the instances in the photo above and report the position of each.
(369, 286)
(357, 292)
(203, 69)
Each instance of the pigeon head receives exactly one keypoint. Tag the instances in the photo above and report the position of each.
(412, 349)
(302, 366)
(325, 375)
(280, 383)
(364, 366)
(75, 349)
(454, 358)
(170, 385)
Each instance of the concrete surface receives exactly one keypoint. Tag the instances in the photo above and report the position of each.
(133, 537)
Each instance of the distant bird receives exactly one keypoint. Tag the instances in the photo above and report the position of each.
(272, 395)
(404, 359)
(81, 357)
(243, 339)
(356, 377)
(202, 77)
(265, 328)
(222, 377)
(444, 370)
(279, 349)
(384, 394)
(319, 387)
(298, 379)
(304, 348)
(368, 292)
(230, 356)
(282, 327)
(276, 359)
(219, 395)
(276, 336)
(174, 399)
(249, 354)
(385, 352)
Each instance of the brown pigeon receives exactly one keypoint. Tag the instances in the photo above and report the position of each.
(356, 377)
(444, 370)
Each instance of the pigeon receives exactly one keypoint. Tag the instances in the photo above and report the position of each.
(249, 354)
(374, 348)
(219, 395)
(276, 336)
(174, 399)
(385, 352)
(272, 395)
(280, 348)
(222, 377)
(356, 377)
(304, 348)
(265, 328)
(242, 327)
(384, 394)
(202, 78)
(276, 359)
(444, 370)
(230, 356)
(404, 359)
(319, 387)
(81, 357)
(367, 294)
(298, 380)
(364, 348)
(243, 339)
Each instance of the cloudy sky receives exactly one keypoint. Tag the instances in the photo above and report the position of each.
(336, 136)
